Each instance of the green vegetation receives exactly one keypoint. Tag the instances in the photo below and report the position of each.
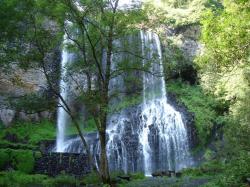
(21, 160)
(15, 178)
(207, 109)
(30, 133)
(177, 13)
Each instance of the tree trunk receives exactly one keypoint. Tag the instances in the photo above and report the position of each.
(104, 170)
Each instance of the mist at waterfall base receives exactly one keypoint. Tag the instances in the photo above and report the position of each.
(147, 137)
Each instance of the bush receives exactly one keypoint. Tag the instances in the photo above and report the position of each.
(31, 133)
(210, 168)
(207, 110)
(136, 176)
(92, 178)
(64, 180)
(4, 158)
(21, 160)
(24, 160)
(16, 178)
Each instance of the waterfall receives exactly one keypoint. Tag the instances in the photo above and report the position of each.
(62, 116)
(145, 137)
(151, 136)
(163, 134)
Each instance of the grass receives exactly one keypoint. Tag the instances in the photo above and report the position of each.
(18, 179)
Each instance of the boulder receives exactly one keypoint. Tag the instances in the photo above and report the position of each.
(7, 116)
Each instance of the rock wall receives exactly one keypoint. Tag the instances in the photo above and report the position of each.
(181, 46)
(53, 164)
(186, 38)
(16, 83)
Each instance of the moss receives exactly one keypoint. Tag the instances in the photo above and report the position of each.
(31, 133)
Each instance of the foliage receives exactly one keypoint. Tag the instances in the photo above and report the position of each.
(92, 178)
(32, 103)
(233, 172)
(175, 12)
(16, 178)
(224, 65)
(31, 133)
(207, 110)
(4, 157)
(136, 176)
(210, 168)
(23, 28)
(21, 160)
(224, 73)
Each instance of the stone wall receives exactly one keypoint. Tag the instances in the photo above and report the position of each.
(53, 164)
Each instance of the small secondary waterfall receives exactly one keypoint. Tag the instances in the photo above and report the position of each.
(146, 137)
(62, 116)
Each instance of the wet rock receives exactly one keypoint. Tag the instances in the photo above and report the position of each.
(161, 174)
(124, 177)
(178, 174)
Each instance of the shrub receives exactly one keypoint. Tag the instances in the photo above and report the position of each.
(92, 178)
(64, 180)
(207, 110)
(31, 133)
(16, 178)
(136, 176)
(4, 158)
(24, 160)
(21, 160)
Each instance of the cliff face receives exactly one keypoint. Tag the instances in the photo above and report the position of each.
(188, 43)
(181, 45)
(17, 82)
(14, 84)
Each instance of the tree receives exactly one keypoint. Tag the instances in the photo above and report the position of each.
(32, 33)
(100, 23)
(96, 25)
(224, 65)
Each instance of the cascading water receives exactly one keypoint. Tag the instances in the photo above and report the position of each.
(163, 134)
(62, 116)
(146, 137)
(151, 136)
